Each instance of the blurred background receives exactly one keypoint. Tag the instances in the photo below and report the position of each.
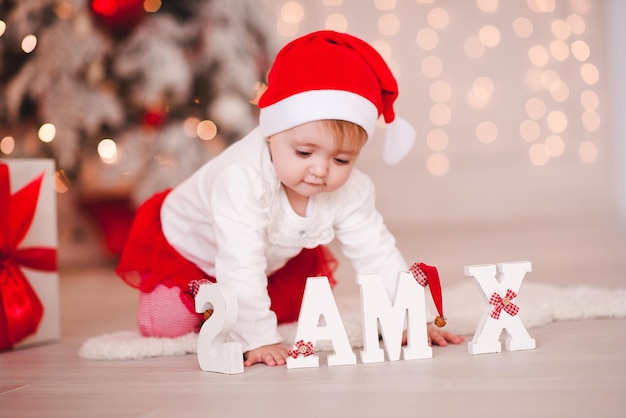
(519, 108)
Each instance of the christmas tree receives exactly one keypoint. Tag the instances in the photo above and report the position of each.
(128, 96)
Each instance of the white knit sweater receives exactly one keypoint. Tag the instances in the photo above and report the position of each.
(232, 218)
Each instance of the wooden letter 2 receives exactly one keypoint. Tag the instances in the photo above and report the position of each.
(214, 355)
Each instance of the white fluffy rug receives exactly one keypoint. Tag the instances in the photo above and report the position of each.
(539, 304)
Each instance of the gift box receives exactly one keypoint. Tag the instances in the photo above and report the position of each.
(29, 280)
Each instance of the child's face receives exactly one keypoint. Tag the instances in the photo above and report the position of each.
(308, 161)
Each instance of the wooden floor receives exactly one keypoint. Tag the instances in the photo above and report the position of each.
(577, 370)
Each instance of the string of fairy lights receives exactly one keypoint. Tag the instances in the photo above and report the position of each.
(558, 64)
(547, 86)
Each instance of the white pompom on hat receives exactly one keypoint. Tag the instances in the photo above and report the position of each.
(332, 75)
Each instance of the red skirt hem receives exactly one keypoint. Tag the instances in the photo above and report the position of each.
(149, 260)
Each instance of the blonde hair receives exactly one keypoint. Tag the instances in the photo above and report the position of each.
(348, 135)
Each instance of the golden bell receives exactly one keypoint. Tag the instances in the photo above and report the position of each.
(440, 321)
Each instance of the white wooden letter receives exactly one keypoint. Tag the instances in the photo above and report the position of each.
(377, 309)
(214, 355)
(499, 292)
(318, 303)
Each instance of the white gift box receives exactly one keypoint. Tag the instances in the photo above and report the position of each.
(42, 234)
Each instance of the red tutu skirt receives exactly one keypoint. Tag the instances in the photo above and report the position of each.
(149, 260)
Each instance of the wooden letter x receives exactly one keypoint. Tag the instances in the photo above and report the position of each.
(499, 292)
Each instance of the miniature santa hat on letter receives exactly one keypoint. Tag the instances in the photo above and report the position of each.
(332, 75)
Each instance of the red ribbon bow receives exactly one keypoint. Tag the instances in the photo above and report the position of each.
(194, 286)
(20, 308)
(302, 349)
(505, 303)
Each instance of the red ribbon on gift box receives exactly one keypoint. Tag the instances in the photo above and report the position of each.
(20, 308)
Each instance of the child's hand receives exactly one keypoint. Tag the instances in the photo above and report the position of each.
(441, 338)
(272, 355)
(438, 337)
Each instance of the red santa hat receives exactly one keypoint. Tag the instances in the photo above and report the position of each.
(331, 75)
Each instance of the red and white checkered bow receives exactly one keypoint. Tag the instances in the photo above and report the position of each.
(302, 349)
(505, 303)
(419, 274)
(194, 286)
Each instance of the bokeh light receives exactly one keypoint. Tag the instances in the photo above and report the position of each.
(538, 154)
(438, 18)
(337, 22)
(557, 121)
(107, 150)
(591, 120)
(589, 100)
(440, 91)
(541, 6)
(432, 66)
(291, 15)
(588, 152)
(522, 27)
(438, 164)
(7, 145)
(47, 132)
(480, 93)
(538, 55)
(529, 130)
(489, 35)
(487, 6)
(535, 108)
(385, 4)
(152, 6)
(437, 139)
(483, 87)
(427, 39)
(486, 132)
(561, 29)
(440, 114)
(555, 145)
(559, 50)
(388, 24)
(560, 93)
(206, 130)
(29, 43)
(64, 9)
(580, 50)
(292, 12)
(577, 24)
(550, 80)
(473, 47)
(190, 127)
(589, 73)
